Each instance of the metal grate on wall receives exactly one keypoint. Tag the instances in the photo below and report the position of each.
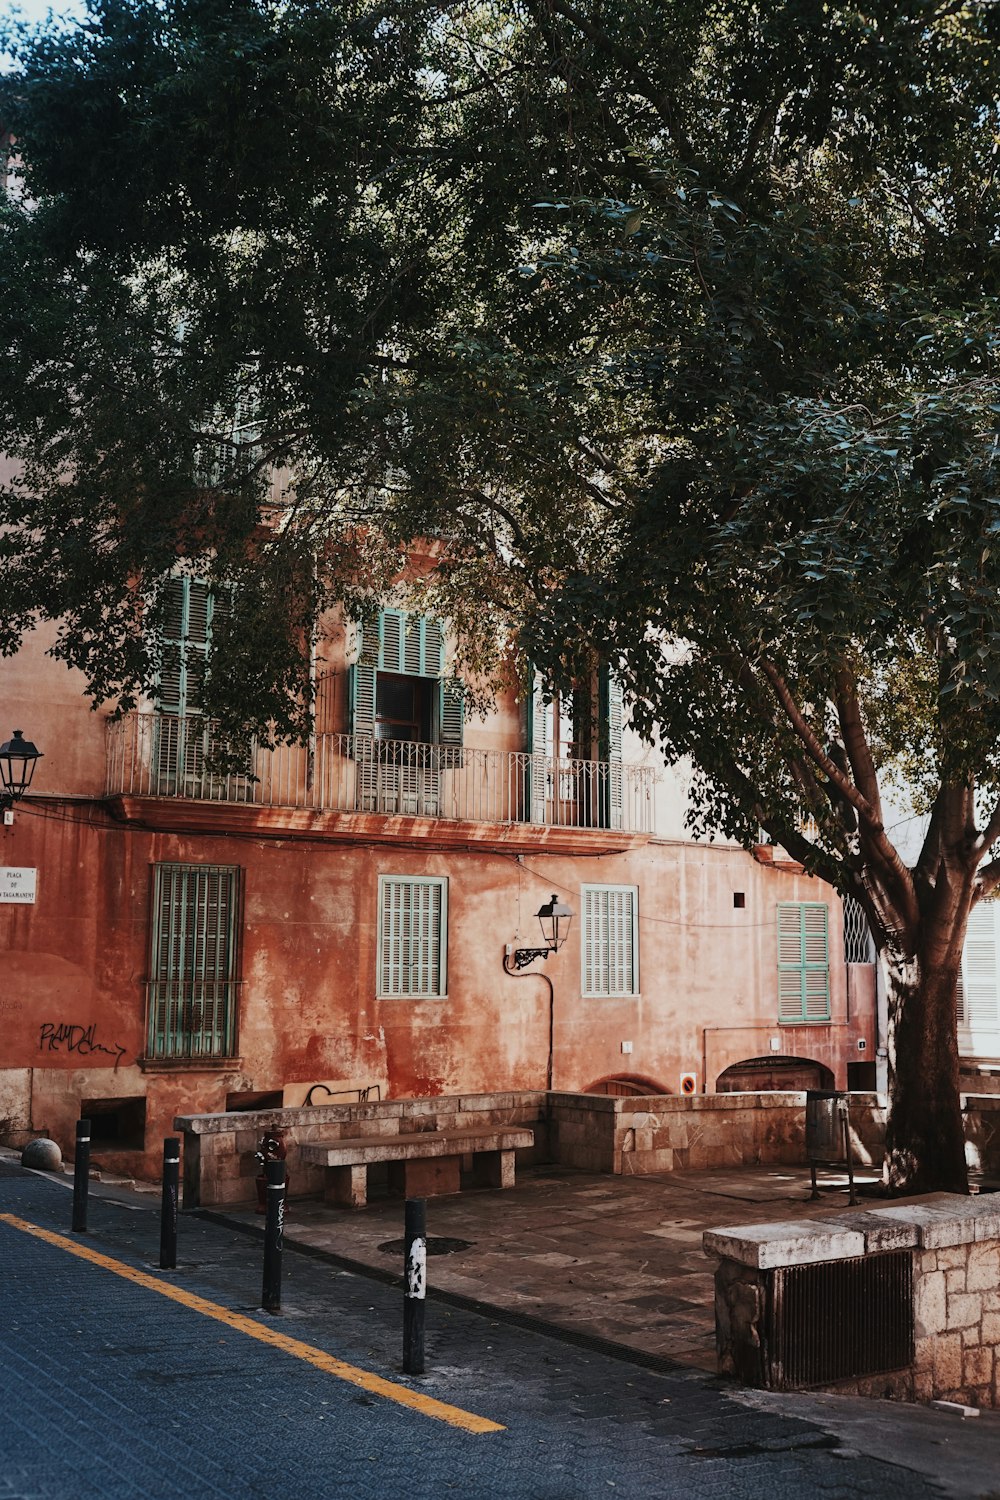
(839, 1319)
(859, 945)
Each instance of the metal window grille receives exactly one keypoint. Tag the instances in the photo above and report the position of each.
(803, 962)
(610, 944)
(859, 945)
(193, 985)
(412, 936)
(839, 1319)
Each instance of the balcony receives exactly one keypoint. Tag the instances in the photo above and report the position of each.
(342, 786)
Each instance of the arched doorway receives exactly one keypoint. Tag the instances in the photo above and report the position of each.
(757, 1074)
(625, 1087)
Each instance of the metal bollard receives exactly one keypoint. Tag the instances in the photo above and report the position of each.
(844, 1108)
(274, 1230)
(81, 1176)
(168, 1203)
(414, 1285)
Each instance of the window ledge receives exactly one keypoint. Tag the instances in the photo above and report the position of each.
(189, 1064)
(627, 995)
(421, 998)
(804, 1021)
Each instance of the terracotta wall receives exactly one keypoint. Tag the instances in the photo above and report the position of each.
(73, 964)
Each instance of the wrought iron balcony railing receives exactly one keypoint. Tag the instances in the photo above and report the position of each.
(163, 755)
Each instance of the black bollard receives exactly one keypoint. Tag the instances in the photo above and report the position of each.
(414, 1285)
(844, 1108)
(81, 1176)
(274, 1230)
(168, 1203)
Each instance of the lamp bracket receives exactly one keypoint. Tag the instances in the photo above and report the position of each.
(522, 957)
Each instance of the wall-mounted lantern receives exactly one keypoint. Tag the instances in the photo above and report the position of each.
(554, 919)
(17, 766)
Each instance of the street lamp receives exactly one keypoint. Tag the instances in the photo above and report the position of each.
(17, 766)
(554, 919)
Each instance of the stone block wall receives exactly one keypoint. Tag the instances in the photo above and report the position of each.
(955, 1244)
(588, 1132)
(219, 1150)
(675, 1132)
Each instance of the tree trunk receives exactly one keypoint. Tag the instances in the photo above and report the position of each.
(925, 1136)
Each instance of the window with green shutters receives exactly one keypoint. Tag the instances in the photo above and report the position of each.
(193, 982)
(397, 643)
(412, 937)
(187, 744)
(610, 940)
(803, 962)
(407, 718)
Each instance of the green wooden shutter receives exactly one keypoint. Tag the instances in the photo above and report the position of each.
(370, 640)
(538, 766)
(392, 640)
(412, 937)
(361, 678)
(612, 718)
(409, 645)
(609, 940)
(184, 645)
(361, 698)
(451, 721)
(803, 962)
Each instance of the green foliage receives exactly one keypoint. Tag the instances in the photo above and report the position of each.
(670, 323)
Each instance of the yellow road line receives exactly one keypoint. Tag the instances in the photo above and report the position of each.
(401, 1394)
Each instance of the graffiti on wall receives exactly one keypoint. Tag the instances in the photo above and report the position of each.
(60, 1036)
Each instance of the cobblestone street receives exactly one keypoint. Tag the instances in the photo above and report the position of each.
(113, 1390)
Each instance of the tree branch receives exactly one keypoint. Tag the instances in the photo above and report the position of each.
(659, 99)
(856, 741)
(881, 847)
(766, 116)
(989, 835)
(812, 743)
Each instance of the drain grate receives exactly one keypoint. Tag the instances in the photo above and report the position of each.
(439, 1246)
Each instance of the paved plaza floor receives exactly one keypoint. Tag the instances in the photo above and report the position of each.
(612, 1259)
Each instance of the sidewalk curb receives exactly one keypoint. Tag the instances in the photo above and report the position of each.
(530, 1322)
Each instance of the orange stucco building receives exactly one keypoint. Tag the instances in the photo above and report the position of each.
(332, 919)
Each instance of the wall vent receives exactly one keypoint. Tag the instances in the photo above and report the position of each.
(839, 1319)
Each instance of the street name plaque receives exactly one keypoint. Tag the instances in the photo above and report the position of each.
(17, 885)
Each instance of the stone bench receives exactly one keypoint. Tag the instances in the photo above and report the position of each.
(420, 1166)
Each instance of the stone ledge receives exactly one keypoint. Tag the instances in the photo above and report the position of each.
(361, 1113)
(766, 1247)
(880, 1233)
(947, 1219)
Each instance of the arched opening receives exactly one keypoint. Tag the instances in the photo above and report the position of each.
(757, 1074)
(625, 1086)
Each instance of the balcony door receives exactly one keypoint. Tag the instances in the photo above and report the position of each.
(575, 745)
(406, 716)
(186, 743)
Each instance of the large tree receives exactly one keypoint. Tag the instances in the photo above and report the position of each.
(676, 321)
